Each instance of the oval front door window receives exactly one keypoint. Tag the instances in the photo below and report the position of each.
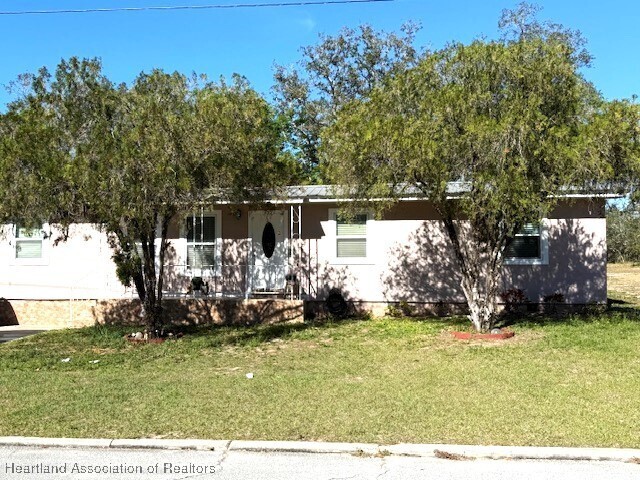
(268, 240)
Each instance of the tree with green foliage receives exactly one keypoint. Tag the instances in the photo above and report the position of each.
(337, 70)
(132, 158)
(44, 140)
(623, 233)
(616, 134)
(511, 122)
(187, 146)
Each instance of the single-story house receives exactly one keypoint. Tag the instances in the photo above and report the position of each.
(299, 248)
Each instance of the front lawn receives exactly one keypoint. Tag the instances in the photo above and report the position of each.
(573, 382)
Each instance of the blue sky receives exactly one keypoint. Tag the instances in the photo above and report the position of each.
(250, 41)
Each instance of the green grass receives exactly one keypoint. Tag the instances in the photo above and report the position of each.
(573, 382)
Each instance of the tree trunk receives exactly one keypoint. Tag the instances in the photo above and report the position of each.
(164, 244)
(138, 281)
(480, 264)
(151, 303)
(480, 287)
(154, 278)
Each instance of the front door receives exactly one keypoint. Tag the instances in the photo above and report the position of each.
(269, 251)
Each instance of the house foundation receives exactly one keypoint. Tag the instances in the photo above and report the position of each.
(183, 311)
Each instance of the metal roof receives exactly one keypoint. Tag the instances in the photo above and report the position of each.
(319, 193)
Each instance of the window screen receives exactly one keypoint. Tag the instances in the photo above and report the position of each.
(28, 242)
(201, 241)
(351, 236)
(526, 243)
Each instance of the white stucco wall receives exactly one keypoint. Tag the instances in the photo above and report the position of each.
(79, 268)
(408, 258)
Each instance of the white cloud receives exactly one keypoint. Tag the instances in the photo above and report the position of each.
(307, 23)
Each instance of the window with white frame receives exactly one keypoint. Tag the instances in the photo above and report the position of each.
(351, 235)
(202, 232)
(29, 242)
(529, 246)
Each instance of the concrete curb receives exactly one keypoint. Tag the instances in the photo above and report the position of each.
(165, 444)
(135, 443)
(456, 452)
(496, 452)
(304, 447)
(55, 442)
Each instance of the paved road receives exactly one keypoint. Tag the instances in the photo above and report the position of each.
(76, 463)
(13, 332)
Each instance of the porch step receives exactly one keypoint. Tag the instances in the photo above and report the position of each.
(267, 294)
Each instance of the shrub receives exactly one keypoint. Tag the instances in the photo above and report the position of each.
(400, 309)
(553, 298)
(513, 298)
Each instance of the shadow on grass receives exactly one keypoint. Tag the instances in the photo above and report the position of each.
(615, 301)
(616, 311)
(203, 336)
(196, 337)
(219, 336)
(240, 336)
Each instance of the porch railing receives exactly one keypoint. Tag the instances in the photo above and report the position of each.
(231, 281)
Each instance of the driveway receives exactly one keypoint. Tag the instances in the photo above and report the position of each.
(13, 332)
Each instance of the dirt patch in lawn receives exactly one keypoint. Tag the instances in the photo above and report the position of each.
(446, 340)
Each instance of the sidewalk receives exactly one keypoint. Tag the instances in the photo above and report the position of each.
(453, 452)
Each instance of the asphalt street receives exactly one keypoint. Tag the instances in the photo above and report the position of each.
(17, 463)
(13, 332)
